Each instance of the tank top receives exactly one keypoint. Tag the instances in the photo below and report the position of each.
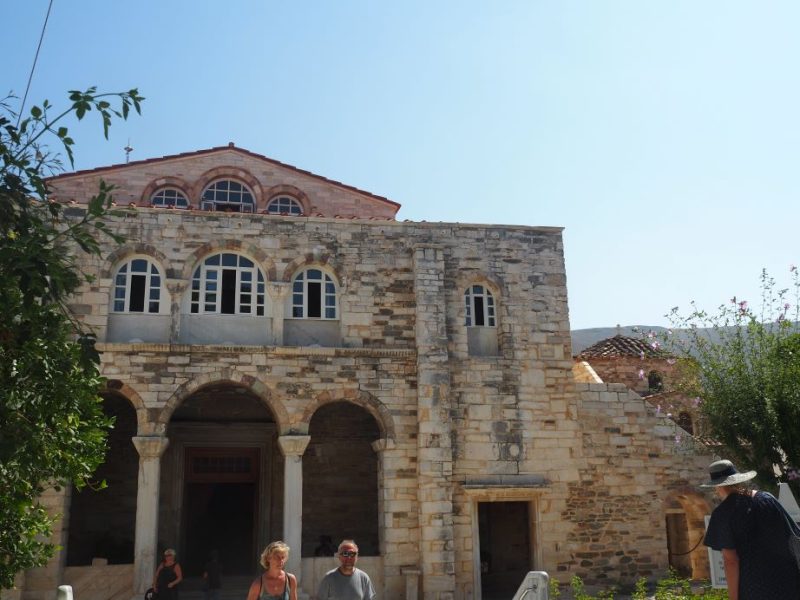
(263, 595)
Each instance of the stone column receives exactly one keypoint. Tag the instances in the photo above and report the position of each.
(435, 454)
(292, 447)
(144, 558)
(176, 289)
(278, 292)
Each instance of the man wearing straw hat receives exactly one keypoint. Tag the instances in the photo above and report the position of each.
(753, 532)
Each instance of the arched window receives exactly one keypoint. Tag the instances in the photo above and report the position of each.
(479, 307)
(169, 197)
(228, 196)
(314, 295)
(685, 422)
(137, 287)
(228, 284)
(655, 382)
(287, 205)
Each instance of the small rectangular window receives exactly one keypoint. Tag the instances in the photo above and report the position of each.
(228, 292)
(136, 298)
(314, 300)
(479, 311)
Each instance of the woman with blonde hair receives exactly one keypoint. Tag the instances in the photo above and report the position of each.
(167, 577)
(274, 583)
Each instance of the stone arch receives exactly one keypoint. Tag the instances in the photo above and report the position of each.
(365, 400)
(233, 377)
(693, 506)
(261, 257)
(174, 182)
(235, 173)
(464, 280)
(288, 190)
(102, 522)
(144, 423)
(120, 254)
(324, 260)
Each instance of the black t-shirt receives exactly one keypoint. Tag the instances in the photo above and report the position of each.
(756, 527)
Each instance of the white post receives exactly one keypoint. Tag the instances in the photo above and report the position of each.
(150, 450)
(292, 447)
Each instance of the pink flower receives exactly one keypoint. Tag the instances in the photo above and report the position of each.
(641, 355)
(655, 345)
(696, 402)
(658, 409)
(641, 374)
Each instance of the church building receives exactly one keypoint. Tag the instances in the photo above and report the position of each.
(287, 360)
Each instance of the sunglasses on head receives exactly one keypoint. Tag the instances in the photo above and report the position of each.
(348, 553)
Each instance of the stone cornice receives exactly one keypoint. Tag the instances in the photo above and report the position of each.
(272, 350)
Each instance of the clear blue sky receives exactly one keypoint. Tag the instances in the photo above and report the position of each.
(663, 135)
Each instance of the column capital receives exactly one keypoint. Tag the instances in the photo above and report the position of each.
(293, 445)
(278, 290)
(383, 444)
(150, 446)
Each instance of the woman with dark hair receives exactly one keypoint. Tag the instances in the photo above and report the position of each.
(753, 531)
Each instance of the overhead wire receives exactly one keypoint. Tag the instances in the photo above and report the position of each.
(35, 59)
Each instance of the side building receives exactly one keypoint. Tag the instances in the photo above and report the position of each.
(285, 360)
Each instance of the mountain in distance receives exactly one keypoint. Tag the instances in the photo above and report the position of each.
(583, 338)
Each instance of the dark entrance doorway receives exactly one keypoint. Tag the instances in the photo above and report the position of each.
(220, 503)
(505, 547)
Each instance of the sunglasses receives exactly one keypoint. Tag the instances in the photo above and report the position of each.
(348, 554)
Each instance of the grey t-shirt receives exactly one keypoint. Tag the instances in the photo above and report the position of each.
(336, 586)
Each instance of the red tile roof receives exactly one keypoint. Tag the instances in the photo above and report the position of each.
(230, 146)
(621, 346)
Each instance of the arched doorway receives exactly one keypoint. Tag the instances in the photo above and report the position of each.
(221, 480)
(102, 520)
(340, 479)
(685, 527)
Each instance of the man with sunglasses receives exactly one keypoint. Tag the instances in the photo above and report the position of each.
(346, 582)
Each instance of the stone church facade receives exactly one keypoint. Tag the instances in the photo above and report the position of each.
(286, 360)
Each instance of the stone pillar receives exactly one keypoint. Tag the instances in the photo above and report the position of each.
(435, 455)
(176, 290)
(292, 447)
(144, 557)
(278, 292)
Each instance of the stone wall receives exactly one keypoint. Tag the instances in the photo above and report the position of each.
(636, 459)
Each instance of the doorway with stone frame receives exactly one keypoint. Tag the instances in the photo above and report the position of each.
(505, 547)
(220, 508)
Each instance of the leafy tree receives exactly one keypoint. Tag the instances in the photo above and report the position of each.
(52, 426)
(743, 366)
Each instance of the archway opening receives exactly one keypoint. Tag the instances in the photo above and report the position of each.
(102, 521)
(685, 528)
(220, 480)
(340, 479)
